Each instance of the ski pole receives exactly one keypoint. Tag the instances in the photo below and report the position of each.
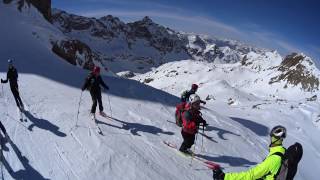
(2, 92)
(202, 138)
(76, 125)
(194, 149)
(110, 106)
(2, 158)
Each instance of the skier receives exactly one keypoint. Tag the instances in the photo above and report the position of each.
(191, 120)
(186, 94)
(270, 167)
(12, 77)
(92, 83)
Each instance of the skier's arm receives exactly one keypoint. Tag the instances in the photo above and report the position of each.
(103, 84)
(5, 81)
(270, 165)
(85, 85)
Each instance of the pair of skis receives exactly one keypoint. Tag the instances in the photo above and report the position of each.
(209, 164)
(93, 118)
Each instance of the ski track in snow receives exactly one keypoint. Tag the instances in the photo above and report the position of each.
(65, 161)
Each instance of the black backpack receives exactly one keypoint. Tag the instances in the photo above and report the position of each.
(289, 162)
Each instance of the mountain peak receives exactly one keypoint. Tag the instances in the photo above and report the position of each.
(147, 20)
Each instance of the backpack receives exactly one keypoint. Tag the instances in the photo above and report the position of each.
(289, 162)
(178, 114)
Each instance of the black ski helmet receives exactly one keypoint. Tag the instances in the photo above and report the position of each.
(278, 132)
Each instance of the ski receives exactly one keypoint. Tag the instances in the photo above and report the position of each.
(103, 114)
(97, 128)
(209, 164)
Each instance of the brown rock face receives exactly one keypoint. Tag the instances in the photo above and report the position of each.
(294, 72)
(75, 52)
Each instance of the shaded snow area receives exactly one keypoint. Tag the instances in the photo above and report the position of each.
(49, 145)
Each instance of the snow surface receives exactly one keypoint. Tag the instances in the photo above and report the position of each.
(48, 146)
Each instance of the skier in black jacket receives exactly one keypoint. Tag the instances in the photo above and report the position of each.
(92, 83)
(186, 94)
(12, 77)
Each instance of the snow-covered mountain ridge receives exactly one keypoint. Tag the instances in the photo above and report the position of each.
(161, 45)
(142, 45)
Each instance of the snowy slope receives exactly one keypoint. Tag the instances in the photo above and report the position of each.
(256, 105)
(131, 147)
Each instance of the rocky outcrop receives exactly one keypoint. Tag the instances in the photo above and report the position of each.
(159, 37)
(107, 27)
(75, 52)
(297, 69)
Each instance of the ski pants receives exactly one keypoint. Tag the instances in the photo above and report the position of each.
(188, 141)
(96, 98)
(16, 95)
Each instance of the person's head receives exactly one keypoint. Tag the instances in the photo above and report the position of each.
(195, 102)
(10, 63)
(277, 134)
(194, 87)
(96, 71)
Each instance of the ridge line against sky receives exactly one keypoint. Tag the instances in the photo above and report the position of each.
(228, 21)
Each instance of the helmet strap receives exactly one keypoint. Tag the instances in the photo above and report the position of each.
(273, 143)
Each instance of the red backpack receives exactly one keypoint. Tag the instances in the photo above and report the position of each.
(179, 110)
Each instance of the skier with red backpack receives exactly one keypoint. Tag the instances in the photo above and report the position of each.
(185, 98)
(280, 164)
(92, 83)
(191, 120)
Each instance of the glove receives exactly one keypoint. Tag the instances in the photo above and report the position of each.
(218, 174)
(1, 80)
(107, 88)
(204, 123)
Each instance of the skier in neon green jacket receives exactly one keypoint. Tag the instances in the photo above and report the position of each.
(268, 169)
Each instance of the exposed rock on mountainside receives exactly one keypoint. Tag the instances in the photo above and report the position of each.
(297, 69)
(75, 52)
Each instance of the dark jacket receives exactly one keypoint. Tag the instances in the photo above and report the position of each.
(186, 95)
(12, 77)
(92, 83)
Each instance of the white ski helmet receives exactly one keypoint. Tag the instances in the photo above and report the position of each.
(194, 98)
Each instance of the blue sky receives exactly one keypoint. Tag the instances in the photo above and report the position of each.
(284, 25)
